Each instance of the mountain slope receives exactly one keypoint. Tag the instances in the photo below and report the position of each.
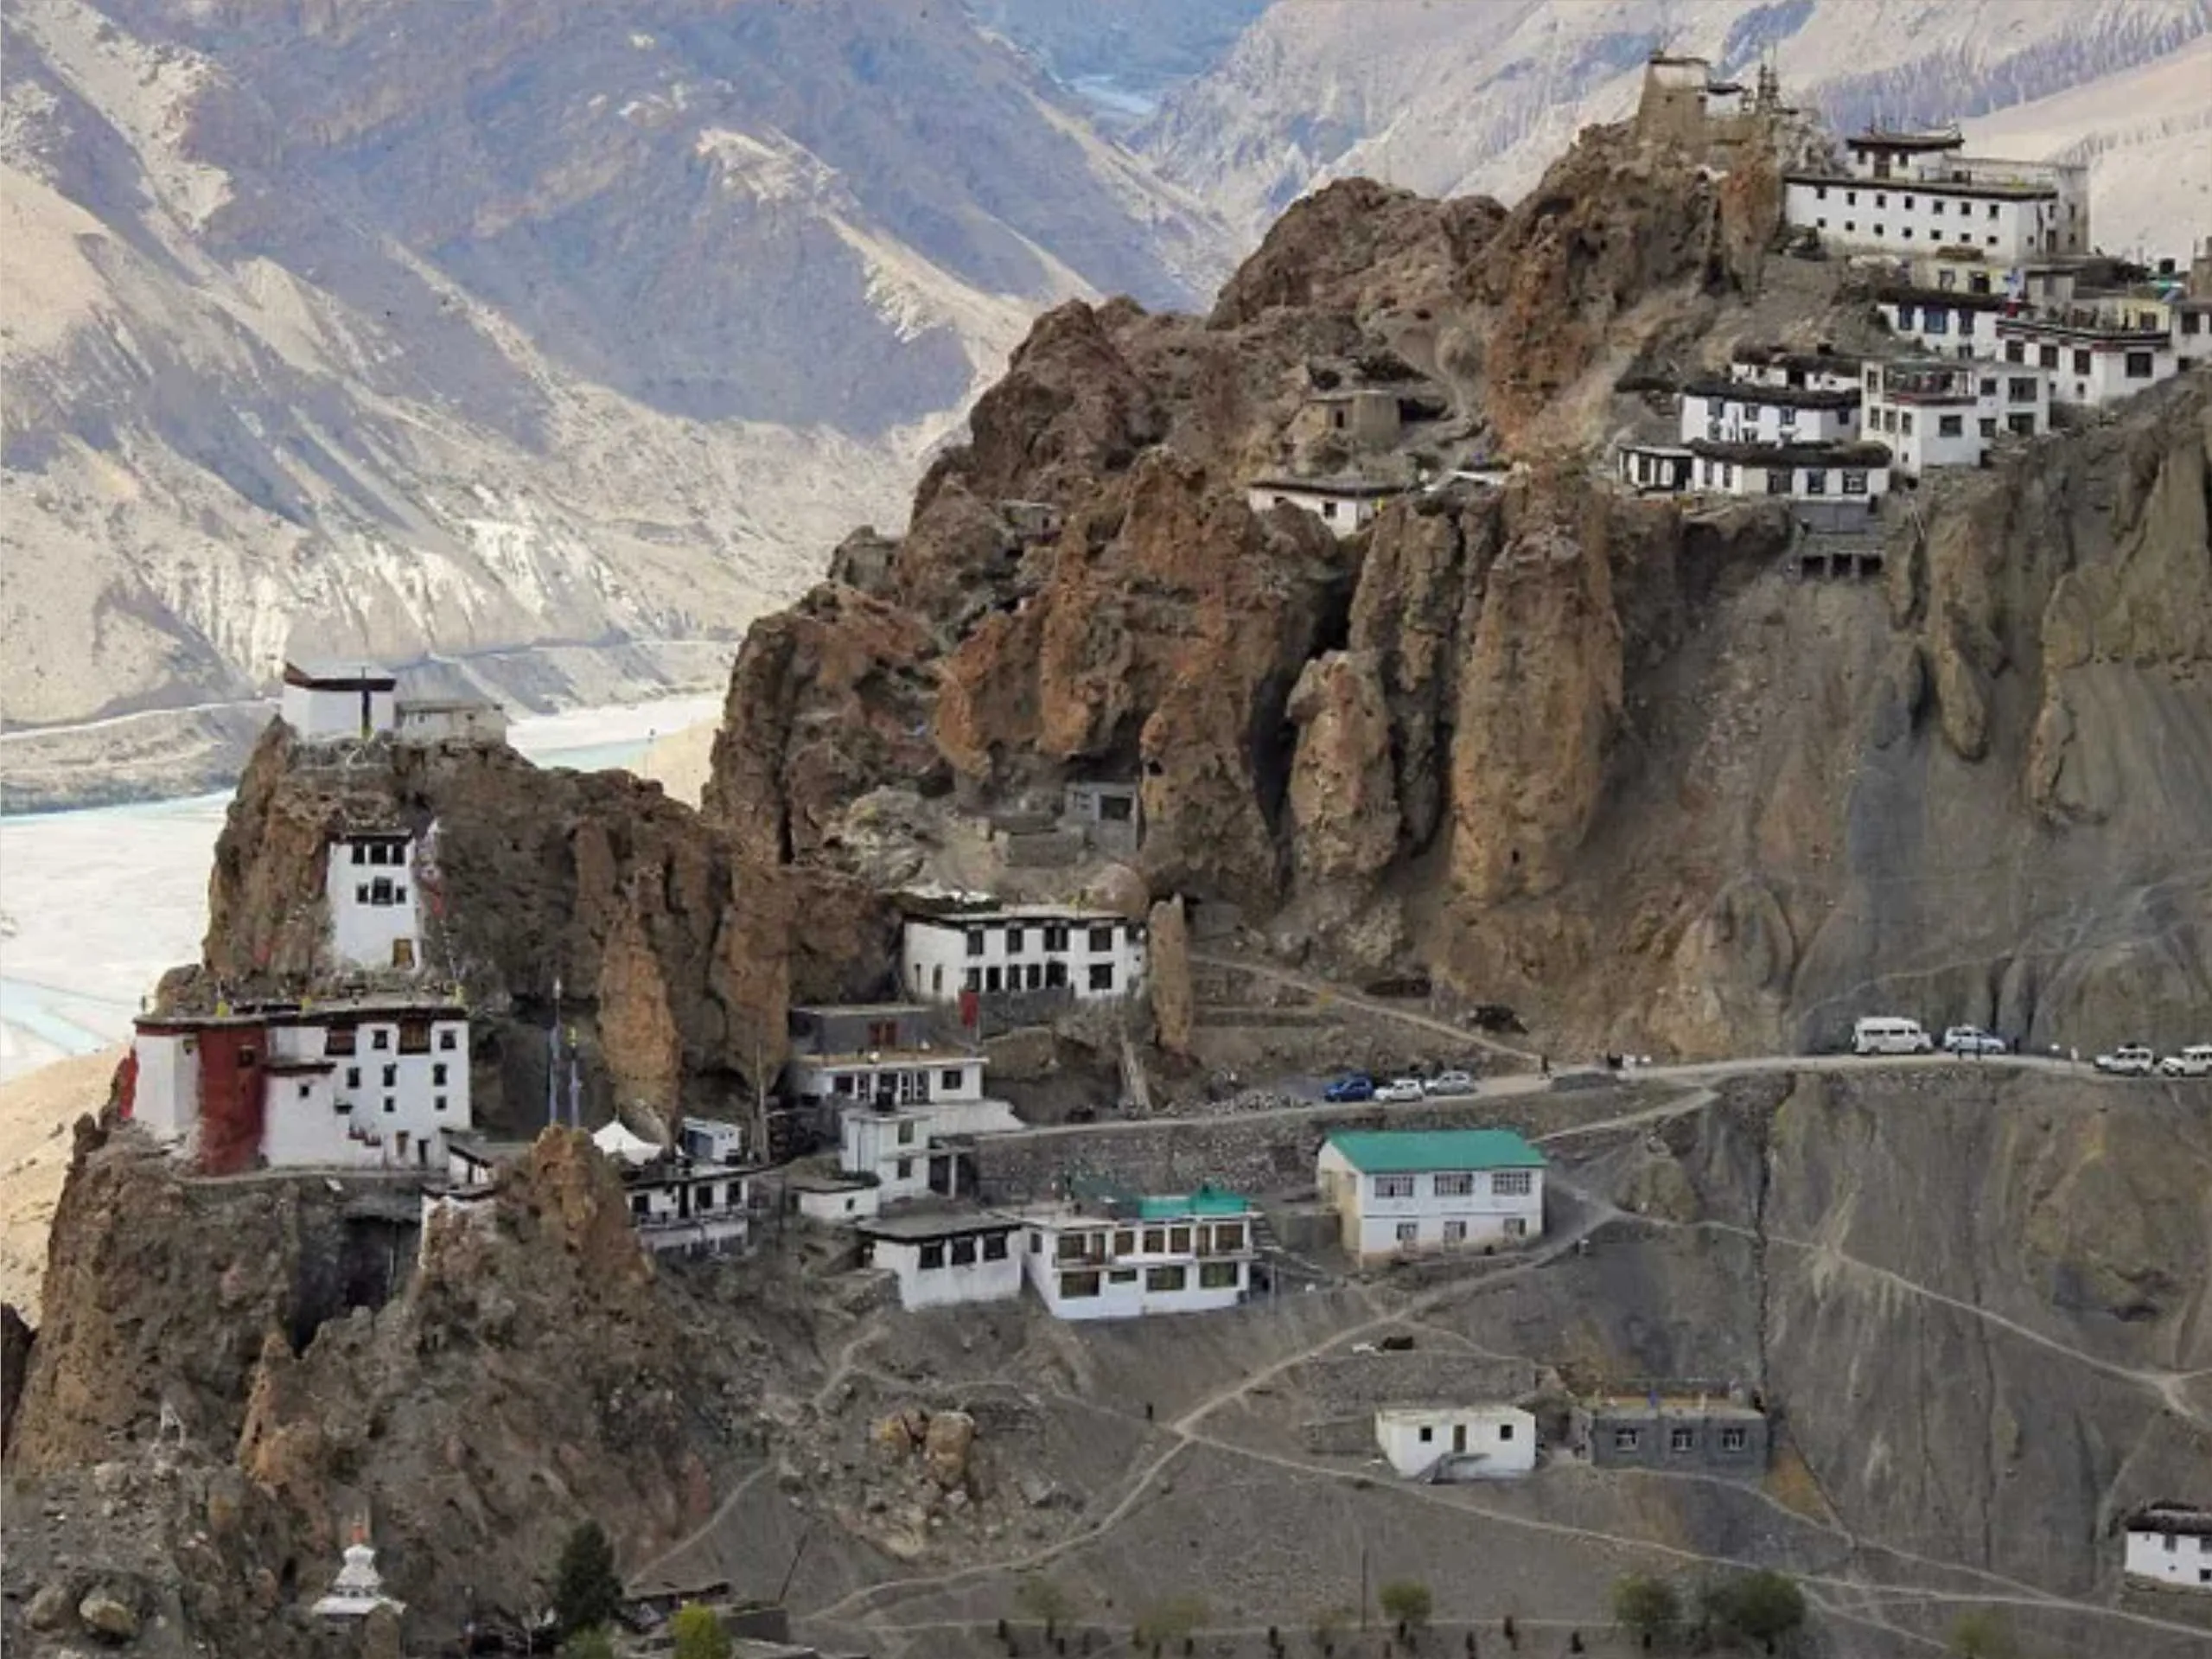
(1449, 100)
(541, 338)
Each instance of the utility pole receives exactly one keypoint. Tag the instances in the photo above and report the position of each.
(1363, 1586)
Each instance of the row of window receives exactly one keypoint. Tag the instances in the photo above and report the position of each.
(1173, 1239)
(1936, 205)
(381, 892)
(414, 1037)
(910, 1084)
(2139, 365)
(1056, 938)
(1681, 1440)
(1211, 1276)
(1035, 976)
(1409, 1233)
(391, 1102)
(1850, 228)
(1933, 319)
(963, 1253)
(388, 852)
(1505, 1184)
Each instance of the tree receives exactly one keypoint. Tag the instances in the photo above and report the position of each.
(593, 1643)
(1762, 1606)
(1646, 1607)
(698, 1633)
(587, 1592)
(1044, 1599)
(1982, 1634)
(1406, 1601)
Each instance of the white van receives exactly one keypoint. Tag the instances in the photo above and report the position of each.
(1880, 1034)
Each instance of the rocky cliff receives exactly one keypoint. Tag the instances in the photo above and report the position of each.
(676, 954)
(1596, 757)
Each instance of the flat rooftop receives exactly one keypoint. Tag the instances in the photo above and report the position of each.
(1634, 1407)
(909, 1227)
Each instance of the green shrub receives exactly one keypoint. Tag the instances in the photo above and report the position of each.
(698, 1633)
(1646, 1607)
(1406, 1601)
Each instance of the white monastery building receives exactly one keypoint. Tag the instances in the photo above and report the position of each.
(1744, 411)
(1347, 505)
(1113, 1255)
(1094, 955)
(1806, 472)
(1400, 1190)
(373, 1083)
(373, 892)
(1456, 1442)
(878, 1053)
(1946, 412)
(678, 1204)
(2092, 356)
(903, 1148)
(2171, 1544)
(944, 1258)
(331, 702)
(1912, 193)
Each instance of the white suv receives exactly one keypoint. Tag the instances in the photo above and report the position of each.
(1972, 1039)
(2133, 1060)
(2195, 1061)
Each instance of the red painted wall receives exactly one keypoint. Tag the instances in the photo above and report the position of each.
(230, 1097)
(126, 1085)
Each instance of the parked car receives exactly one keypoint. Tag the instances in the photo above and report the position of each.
(2130, 1060)
(2195, 1060)
(1972, 1039)
(1352, 1085)
(1451, 1083)
(1402, 1089)
(1885, 1034)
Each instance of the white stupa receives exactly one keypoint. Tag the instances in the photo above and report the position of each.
(358, 1591)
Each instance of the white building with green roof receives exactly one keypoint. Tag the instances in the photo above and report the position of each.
(1110, 1254)
(1397, 1191)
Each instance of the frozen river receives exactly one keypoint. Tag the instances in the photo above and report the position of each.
(95, 905)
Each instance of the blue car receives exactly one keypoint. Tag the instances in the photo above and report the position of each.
(1352, 1085)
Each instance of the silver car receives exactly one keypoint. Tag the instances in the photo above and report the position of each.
(1972, 1039)
(1400, 1089)
(1451, 1083)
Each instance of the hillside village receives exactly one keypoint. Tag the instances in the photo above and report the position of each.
(1010, 1124)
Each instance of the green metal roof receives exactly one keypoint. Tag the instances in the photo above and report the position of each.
(1406, 1152)
(1207, 1201)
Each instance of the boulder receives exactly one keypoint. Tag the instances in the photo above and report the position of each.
(51, 1608)
(107, 1615)
(944, 1448)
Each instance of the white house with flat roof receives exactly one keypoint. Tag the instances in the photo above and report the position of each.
(1456, 1442)
(991, 950)
(375, 897)
(1916, 193)
(1744, 411)
(903, 1147)
(1347, 505)
(433, 720)
(2092, 358)
(1400, 1190)
(1113, 1255)
(331, 702)
(2171, 1544)
(359, 1083)
(946, 1257)
(1929, 412)
(1801, 472)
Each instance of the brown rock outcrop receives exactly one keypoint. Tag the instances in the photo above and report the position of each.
(1344, 817)
(1167, 963)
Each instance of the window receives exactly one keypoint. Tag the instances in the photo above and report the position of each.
(2139, 365)
(1228, 1235)
(1409, 1232)
(1951, 426)
(439, 1105)
(1992, 213)
(1788, 418)
(1393, 1186)
(1122, 1276)
(1627, 1439)
(1881, 198)
(1179, 1240)
(303, 1091)
(994, 1246)
(353, 1077)
(1455, 1232)
(1036, 975)
(1165, 1278)
(360, 852)
(937, 980)
(391, 1104)
(1428, 1434)
(1328, 509)
(2047, 356)
(1102, 938)
(338, 1040)
(1516, 1226)
(1071, 1246)
(2172, 1542)
(391, 1076)
(906, 1168)
(1036, 1243)
(1854, 483)
(1505, 1431)
(360, 892)
(1125, 1243)
(1156, 1242)
(1935, 208)
(2015, 352)
(1988, 425)
(1733, 1440)
(2080, 362)
(1965, 322)
(1821, 192)
(1055, 974)
(437, 1073)
(1454, 1185)
(1816, 482)
(448, 1039)
(1055, 935)
(1909, 202)
(380, 1038)
(1936, 321)
(2024, 425)
(950, 1077)
(1218, 1276)
(933, 1253)
(1904, 421)
(972, 980)
(1682, 1439)
(1013, 939)
(964, 1253)
(1102, 976)
(1850, 198)
(1510, 1183)
(2192, 322)
(975, 942)
(1075, 1286)
(2021, 388)
(1851, 225)
(992, 979)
